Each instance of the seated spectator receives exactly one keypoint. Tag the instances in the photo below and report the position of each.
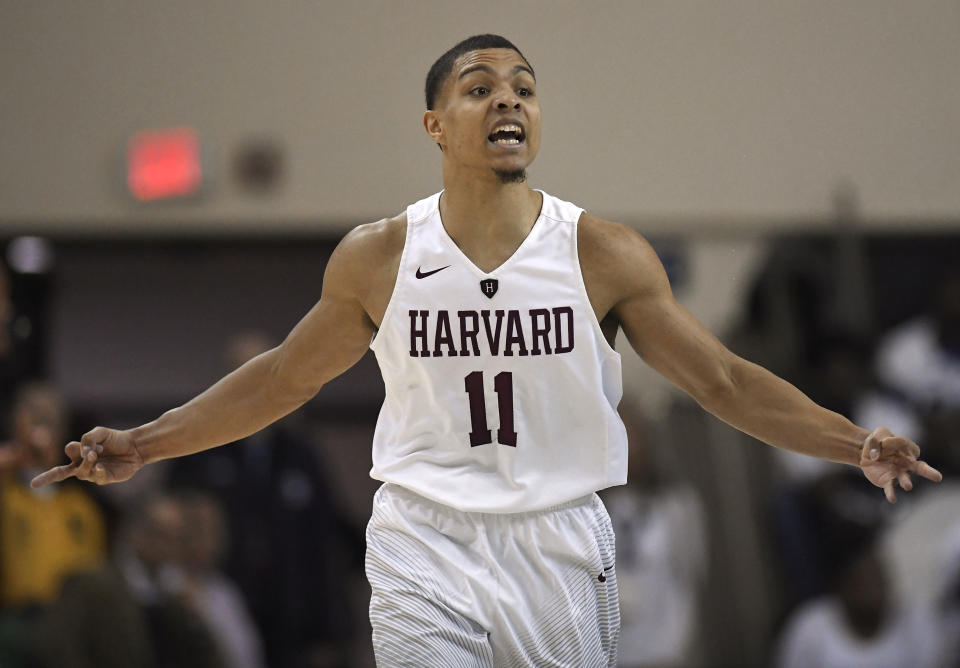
(131, 612)
(661, 560)
(288, 542)
(45, 534)
(920, 359)
(920, 362)
(857, 625)
(211, 594)
(817, 502)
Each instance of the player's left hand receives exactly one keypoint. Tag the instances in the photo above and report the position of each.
(888, 460)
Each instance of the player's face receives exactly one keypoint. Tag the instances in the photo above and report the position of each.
(488, 114)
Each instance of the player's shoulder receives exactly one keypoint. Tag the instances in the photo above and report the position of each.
(363, 260)
(617, 262)
(605, 243)
(376, 240)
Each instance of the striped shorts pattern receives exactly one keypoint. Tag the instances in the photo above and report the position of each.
(452, 588)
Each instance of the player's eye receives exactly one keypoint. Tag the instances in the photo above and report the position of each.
(479, 91)
(524, 92)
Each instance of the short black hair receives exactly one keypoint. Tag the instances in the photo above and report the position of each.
(444, 65)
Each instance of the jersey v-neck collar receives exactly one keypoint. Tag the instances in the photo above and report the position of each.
(503, 265)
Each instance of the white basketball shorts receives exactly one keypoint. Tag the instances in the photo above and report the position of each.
(482, 589)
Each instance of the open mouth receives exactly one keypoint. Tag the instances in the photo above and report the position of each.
(508, 134)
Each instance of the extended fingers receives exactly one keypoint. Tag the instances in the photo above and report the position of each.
(924, 470)
(56, 474)
(903, 479)
(897, 457)
(84, 465)
(61, 473)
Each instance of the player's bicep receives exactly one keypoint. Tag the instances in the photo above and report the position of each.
(329, 339)
(667, 336)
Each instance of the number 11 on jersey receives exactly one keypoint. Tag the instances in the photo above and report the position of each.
(503, 385)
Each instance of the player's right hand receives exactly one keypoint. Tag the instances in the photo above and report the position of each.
(102, 456)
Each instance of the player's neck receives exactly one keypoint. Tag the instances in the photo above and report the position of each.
(474, 210)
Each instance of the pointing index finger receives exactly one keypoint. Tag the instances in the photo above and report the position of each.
(926, 471)
(56, 474)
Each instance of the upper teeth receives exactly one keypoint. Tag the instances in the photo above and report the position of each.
(509, 128)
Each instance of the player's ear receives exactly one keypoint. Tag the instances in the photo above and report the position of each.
(433, 126)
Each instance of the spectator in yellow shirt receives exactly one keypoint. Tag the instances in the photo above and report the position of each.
(45, 534)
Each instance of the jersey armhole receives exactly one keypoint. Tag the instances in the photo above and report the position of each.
(388, 312)
(597, 329)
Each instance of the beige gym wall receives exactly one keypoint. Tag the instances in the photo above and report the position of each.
(670, 114)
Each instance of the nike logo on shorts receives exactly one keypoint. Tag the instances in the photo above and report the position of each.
(424, 274)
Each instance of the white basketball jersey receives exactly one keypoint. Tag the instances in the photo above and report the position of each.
(501, 390)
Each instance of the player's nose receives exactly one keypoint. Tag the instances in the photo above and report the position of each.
(507, 99)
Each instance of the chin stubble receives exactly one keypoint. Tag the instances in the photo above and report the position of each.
(511, 176)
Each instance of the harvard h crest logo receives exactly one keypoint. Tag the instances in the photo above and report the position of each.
(488, 286)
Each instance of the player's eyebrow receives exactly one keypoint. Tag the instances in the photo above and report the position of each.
(489, 70)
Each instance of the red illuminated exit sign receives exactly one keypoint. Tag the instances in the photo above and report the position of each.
(164, 164)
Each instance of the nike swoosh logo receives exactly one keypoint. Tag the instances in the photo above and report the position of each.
(424, 274)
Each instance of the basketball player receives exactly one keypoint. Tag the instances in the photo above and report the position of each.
(491, 308)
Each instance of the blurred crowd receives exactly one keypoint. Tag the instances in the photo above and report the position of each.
(234, 558)
(240, 557)
(864, 583)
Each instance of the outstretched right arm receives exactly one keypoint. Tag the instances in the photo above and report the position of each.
(329, 339)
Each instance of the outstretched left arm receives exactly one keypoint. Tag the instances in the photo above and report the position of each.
(632, 282)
